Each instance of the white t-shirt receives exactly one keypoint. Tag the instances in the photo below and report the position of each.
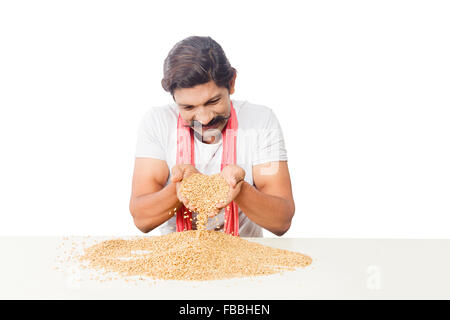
(259, 140)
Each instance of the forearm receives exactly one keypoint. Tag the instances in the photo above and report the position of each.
(151, 210)
(270, 212)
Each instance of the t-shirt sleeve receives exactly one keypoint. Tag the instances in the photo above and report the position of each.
(270, 144)
(149, 140)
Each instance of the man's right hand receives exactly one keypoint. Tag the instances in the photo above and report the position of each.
(179, 173)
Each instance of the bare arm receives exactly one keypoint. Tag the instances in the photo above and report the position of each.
(270, 204)
(151, 200)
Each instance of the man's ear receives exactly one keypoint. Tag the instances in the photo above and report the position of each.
(232, 83)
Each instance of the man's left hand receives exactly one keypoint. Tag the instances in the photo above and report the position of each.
(234, 175)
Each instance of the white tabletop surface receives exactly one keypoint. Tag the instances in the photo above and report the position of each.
(31, 268)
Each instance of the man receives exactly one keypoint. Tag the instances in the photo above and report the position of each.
(201, 80)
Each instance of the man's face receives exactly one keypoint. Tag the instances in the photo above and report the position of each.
(206, 108)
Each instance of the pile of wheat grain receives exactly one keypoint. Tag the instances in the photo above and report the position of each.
(190, 255)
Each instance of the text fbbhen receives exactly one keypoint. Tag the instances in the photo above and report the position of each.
(246, 309)
(227, 309)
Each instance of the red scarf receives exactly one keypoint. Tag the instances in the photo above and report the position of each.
(185, 155)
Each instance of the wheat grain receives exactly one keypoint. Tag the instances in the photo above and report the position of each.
(204, 193)
(190, 255)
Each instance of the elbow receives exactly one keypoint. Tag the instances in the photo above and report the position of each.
(282, 229)
(144, 225)
(286, 225)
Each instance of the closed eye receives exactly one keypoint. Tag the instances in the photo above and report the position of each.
(188, 107)
(213, 102)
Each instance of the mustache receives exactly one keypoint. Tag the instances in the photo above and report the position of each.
(213, 122)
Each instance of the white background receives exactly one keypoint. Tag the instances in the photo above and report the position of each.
(361, 89)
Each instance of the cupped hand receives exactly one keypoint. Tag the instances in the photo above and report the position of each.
(179, 173)
(234, 175)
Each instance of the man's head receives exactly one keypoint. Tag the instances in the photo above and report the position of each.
(200, 78)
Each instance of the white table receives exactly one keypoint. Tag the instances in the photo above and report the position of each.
(341, 269)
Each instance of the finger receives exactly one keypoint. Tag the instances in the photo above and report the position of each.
(176, 174)
(190, 171)
(179, 192)
(181, 198)
(228, 179)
